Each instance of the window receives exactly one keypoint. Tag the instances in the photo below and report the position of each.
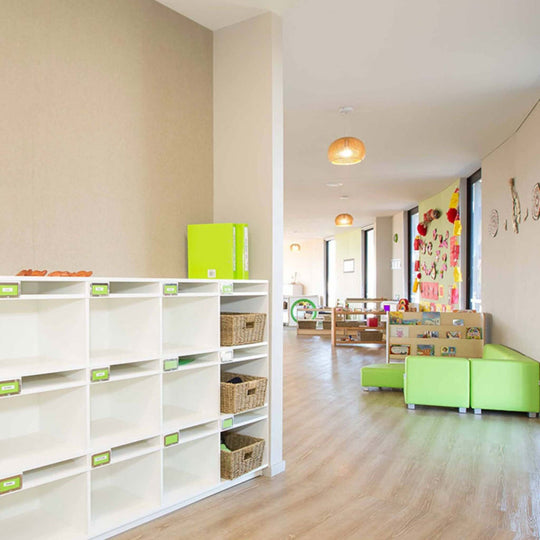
(474, 243)
(369, 264)
(330, 271)
(413, 255)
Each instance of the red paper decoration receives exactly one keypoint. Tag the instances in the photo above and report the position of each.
(452, 214)
(422, 229)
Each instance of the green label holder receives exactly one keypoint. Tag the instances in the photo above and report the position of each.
(101, 374)
(227, 423)
(227, 287)
(10, 388)
(171, 364)
(103, 458)
(14, 483)
(10, 290)
(99, 289)
(171, 438)
(170, 289)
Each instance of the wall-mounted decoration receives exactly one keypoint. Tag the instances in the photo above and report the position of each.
(429, 291)
(493, 226)
(348, 266)
(516, 206)
(536, 202)
(396, 238)
(526, 214)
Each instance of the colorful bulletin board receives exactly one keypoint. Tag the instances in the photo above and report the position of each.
(438, 272)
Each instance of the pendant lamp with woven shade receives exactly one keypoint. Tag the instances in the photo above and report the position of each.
(346, 150)
(344, 220)
(295, 247)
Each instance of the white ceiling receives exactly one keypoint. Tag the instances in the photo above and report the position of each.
(436, 85)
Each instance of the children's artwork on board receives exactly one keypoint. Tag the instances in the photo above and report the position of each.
(401, 350)
(448, 351)
(425, 350)
(453, 335)
(473, 333)
(431, 318)
(399, 331)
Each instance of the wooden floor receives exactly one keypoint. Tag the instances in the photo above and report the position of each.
(360, 465)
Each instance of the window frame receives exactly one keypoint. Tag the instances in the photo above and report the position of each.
(471, 180)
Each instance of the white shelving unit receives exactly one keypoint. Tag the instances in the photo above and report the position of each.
(94, 381)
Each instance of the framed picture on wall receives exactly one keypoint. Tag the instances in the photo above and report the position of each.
(348, 266)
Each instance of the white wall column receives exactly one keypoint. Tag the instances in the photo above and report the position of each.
(248, 170)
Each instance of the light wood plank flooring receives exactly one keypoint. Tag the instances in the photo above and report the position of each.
(360, 466)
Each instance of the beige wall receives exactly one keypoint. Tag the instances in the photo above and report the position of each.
(307, 264)
(511, 262)
(105, 135)
(248, 169)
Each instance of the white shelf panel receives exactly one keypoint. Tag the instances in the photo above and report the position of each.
(112, 357)
(198, 432)
(110, 432)
(53, 381)
(56, 471)
(49, 297)
(32, 451)
(225, 295)
(36, 365)
(135, 449)
(178, 418)
(121, 372)
(248, 417)
(239, 347)
(124, 295)
(244, 358)
(170, 350)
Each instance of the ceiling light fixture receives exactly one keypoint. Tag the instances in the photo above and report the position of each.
(344, 220)
(344, 197)
(295, 247)
(346, 150)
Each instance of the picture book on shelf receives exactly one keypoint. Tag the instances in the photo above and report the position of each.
(474, 333)
(412, 322)
(448, 351)
(429, 317)
(428, 334)
(402, 350)
(425, 350)
(453, 335)
(396, 317)
(398, 331)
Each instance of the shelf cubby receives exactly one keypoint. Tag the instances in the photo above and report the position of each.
(246, 418)
(198, 287)
(54, 511)
(55, 471)
(244, 353)
(133, 288)
(190, 325)
(124, 491)
(248, 288)
(48, 382)
(40, 429)
(135, 449)
(124, 411)
(190, 468)
(52, 287)
(190, 397)
(42, 336)
(124, 330)
(133, 370)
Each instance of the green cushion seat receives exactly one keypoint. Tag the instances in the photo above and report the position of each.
(383, 375)
(437, 380)
(505, 380)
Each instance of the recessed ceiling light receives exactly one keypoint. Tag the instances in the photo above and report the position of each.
(334, 184)
(344, 197)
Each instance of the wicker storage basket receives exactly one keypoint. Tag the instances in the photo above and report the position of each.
(246, 454)
(242, 328)
(341, 324)
(242, 396)
(366, 335)
(327, 325)
(311, 325)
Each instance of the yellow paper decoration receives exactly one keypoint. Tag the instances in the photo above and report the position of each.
(457, 274)
(457, 227)
(415, 286)
(454, 199)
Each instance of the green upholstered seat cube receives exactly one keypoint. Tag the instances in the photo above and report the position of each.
(505, 380)
(383, 375)
(437, 380)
